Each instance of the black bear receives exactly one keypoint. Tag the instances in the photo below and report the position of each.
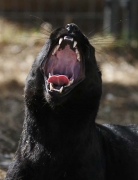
(60, 139)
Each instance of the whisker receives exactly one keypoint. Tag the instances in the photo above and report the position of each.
(37, 18)
(43, 25)
(104, 28)
(101, 38)
(43, 31)
(105, 56)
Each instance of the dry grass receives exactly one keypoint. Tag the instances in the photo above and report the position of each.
(15, 33)
(2, 174)
(18, 48)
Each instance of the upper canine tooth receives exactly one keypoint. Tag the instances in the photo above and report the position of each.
(76, 50)
(78, 54)
(55, 50)
(60, 40)
(61, 89)
(57, 47)
(74, 44)
(78, 57)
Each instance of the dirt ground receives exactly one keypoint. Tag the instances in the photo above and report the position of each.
(119, 103)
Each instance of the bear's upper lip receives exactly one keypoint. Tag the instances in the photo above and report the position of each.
(63, 66)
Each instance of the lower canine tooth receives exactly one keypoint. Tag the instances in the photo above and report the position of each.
(51, 87)
(71, 81)
(49, 75)
(61, 89)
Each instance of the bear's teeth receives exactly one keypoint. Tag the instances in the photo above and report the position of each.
(61, 89)
(74, 44)
(71, 82)
(60, 40)
(51, 87)
(78, 54)
(55, 49)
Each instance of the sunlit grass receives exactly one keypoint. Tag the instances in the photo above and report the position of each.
(15, 33)
(2, 174)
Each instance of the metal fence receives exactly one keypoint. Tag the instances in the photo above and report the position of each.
(111, 16)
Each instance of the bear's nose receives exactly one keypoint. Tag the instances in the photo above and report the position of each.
(72, 27)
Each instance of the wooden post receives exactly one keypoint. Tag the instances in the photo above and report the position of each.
(133, 25)
(107, 17)
(115, 17)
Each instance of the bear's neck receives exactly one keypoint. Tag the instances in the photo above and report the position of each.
(58, 127)
(71, 138)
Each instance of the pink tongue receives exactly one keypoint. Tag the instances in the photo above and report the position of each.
(58, 80)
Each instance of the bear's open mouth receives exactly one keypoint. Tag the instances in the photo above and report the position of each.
(63, 67)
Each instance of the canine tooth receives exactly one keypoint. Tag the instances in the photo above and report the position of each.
(74, 44)
(78, 57)
(61, 89)
(51, 87)
(55, 50)
(57, 47)
(76, 50)
(49, 75)
(78, 54)
(71, 81)
(60, 40)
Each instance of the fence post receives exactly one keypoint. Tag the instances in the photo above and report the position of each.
(115, 17)
(107, 17)
(112, 14)
(133, 24)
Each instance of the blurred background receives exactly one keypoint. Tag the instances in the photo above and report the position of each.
(112, 28)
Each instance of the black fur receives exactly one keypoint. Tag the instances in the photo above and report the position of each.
(60, 139)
